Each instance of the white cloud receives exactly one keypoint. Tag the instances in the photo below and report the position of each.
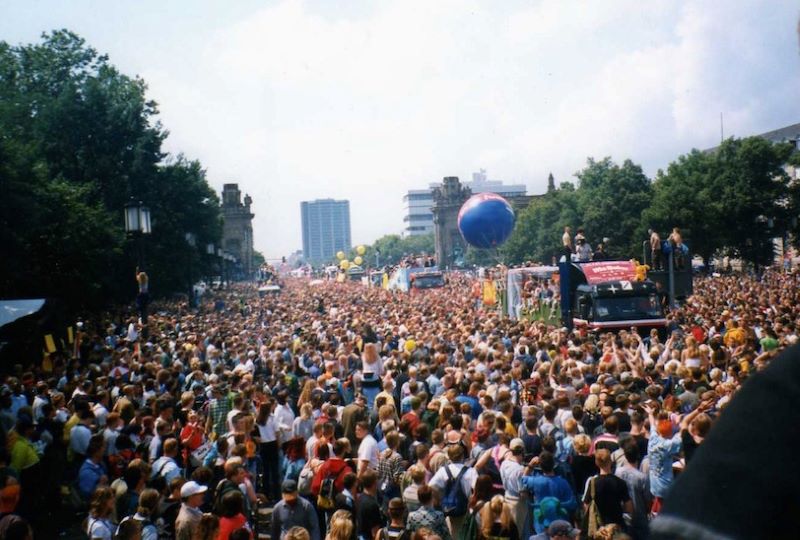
(300, 100)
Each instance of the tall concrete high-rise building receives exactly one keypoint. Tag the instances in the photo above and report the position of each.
(237, 232)
(417, 203)
(326, 229)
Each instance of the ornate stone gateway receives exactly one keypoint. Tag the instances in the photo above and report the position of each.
(447, 201)
(238, 227)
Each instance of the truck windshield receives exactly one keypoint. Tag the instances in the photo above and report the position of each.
(627, 307)
(428, 282)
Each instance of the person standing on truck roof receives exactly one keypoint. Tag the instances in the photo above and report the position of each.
(655, 250)
(600, 253)
(566, 242)
(582, 249)
(676, 242)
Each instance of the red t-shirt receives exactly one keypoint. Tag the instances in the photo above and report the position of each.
(228, 525)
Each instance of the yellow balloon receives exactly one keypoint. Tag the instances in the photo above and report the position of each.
(361, 250)
(344, 265)
(340, 255)
(358, 261)
(410, 345)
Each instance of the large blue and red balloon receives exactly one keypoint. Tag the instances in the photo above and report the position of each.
(486, 220)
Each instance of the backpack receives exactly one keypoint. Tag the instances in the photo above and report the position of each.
(327, 491)
(594, 522)
(304, 480)
(454, 502)
(386, 534)
(492, 468)
(548, 510)
(224, 486)
(469, 527)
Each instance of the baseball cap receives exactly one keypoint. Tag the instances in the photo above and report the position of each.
(192, 488)
(516, 443)
(561, 528)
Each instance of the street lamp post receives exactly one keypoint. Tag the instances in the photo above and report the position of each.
(137, 224)
(191, 239)
(210, 250)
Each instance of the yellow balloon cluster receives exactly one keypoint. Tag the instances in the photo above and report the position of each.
(344, 265)
(410, 345)
(340, 255)
(361, 250)
(358, 260)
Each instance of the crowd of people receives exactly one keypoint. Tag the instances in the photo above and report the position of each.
(343, 412)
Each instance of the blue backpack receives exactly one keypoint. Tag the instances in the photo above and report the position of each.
(454, 502)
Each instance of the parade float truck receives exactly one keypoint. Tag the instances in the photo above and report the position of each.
(416, 279)
(609, 296)
(427, 278)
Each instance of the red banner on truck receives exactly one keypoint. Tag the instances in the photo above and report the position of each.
(602, 271)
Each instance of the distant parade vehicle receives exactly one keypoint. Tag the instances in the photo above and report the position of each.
(267, 290)
(428, 278)
(416, 278)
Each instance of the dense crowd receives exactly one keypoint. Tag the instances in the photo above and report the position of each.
(359, 413)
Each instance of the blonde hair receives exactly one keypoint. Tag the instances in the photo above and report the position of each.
(497, 508)
(341, 526)
(305, 411)
(297, 533)
(582, 444)
(417, 473)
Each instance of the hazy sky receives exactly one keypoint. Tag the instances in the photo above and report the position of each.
(363, 100)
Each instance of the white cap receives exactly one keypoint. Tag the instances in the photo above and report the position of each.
(192, 488)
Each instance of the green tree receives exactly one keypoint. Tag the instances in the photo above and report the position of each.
(537, 234)
(78, 139)
(393, 248)
(725, 200)
(611, 199)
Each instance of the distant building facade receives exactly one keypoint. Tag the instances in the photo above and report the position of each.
(417, 214)
(418, 203)
(326, 229)
(237, 233)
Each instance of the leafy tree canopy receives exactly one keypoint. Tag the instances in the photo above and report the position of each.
(78, 139)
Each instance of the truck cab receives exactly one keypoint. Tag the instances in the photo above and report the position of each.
(606, 296)
(616, 305)
(427, 279)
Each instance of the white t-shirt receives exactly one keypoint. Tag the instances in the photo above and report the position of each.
(439, 480)
(375, 368)
(267, 432)
(368, 451)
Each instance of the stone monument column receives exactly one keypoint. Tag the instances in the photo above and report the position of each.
(447, 201)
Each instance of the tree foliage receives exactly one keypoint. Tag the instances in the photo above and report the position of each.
(78, 139)
(733, 200)
(393, 247)
(607, 203)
